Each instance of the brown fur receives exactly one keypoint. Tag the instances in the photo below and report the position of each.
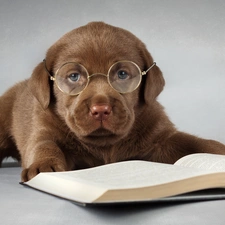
(52, 131)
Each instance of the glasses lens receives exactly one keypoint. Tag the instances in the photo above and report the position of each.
(125, 76)
(72, 78)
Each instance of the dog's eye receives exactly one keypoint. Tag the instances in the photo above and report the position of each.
(74, 77)
(122, 74)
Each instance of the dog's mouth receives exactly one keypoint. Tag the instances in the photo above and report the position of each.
(101, 132)
(101, 137)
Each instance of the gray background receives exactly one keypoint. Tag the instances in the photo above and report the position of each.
(185, 37)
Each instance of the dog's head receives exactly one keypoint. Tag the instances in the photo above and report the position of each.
(91, 67)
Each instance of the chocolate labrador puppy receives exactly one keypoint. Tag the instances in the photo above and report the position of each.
(92, 101)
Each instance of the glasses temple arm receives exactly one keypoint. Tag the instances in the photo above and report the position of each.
(51, 77)
(146, 71)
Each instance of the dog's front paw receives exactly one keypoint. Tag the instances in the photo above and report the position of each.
(49, 165)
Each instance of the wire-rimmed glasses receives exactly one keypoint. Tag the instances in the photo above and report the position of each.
(123, 76)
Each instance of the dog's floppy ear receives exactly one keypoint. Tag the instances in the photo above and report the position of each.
(39, 85)
(153, 80)
(154, 84)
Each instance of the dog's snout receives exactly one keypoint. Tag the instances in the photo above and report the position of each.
(100, 112)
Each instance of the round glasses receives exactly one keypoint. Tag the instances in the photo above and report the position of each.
(123, 76)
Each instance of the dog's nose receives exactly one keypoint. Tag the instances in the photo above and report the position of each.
(100, 112)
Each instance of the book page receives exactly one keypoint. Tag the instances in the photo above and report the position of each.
(203, 161)
(130, 174)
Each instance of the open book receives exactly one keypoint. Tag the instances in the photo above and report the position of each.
(134, 181)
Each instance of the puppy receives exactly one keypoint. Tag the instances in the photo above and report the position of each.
(92, 101)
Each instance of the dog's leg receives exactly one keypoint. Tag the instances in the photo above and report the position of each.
(7, 145)
(181, 144)
(44, 156)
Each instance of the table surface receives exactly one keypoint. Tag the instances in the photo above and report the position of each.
(23, 205)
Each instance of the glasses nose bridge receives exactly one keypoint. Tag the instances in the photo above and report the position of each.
(101, 82)
(95, 74)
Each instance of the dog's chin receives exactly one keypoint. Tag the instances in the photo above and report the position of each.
(101, 137)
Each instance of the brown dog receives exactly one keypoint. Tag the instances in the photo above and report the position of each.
(91, 102)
